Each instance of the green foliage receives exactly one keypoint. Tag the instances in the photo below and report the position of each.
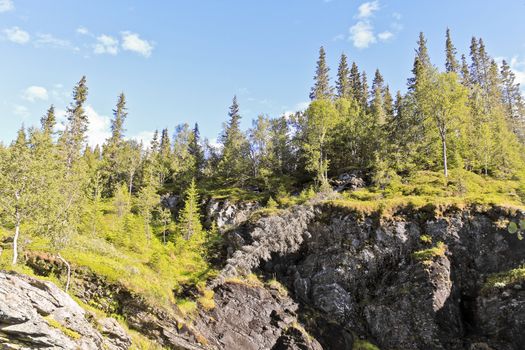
(363, 345)
(504, 279)
(429, 254)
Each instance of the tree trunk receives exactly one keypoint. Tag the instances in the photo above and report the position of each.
(445, 165)
(68, 271)
(15, 239)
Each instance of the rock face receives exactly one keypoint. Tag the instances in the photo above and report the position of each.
(226, 213)
(361, 273)
(38, 315)
(252, 317)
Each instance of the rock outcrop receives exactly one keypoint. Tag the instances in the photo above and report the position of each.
(226, 213)
(386, 280)
(38, 315)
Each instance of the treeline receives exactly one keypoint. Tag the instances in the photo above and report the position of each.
(470, 116)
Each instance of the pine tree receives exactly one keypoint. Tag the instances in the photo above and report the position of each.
(475, 67)
(154, 146)
(364, 92)
(388, 104)
(465, 72)
(513, 101)
(232, 165)
(48, 121)
(116, 161)
(189, 219)
(451, 64)
(119, 116)
(355, 83)
(343, 79)
(321, 89)
(196, 151)
(377, 103)
(421, 63)
(74, 136)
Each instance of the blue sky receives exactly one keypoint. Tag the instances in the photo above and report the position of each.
(182, 61)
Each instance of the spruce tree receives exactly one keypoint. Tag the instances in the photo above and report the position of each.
(74, 136)
(451, 64)
(196, 151)
(48, 121)
(343, 79)
(119, 116)
(355, 83)
(421, 63)
(364, 92)
(321, 89)
(513, 101)
(189, 219)
(232, 165)
(377, 103)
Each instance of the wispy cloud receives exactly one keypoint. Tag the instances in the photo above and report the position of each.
(6, 6)
(49, 40)
(133, 42)
(367, 9)
(17, 35)
(34, 93)
(83, 31)
(21, 111)
(106, 44)
(385, 36)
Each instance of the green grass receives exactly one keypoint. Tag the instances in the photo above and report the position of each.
(430, 253)
(122, 252)
(504, 279)
(431, 190)
(68, 332)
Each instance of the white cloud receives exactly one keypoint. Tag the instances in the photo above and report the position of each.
(144, 136)
(21, 111)
(34, 93)
(299, 107)
(98, 129)
(48, 40)
(133, 42)
(6, 6)
(60, 114)
(362, 34)
(386, 35)
(83, 30)
(17, 35)
(106, 44)
(367, 9)
(518, 67)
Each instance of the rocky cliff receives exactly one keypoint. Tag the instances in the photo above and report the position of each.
(330, 277)
(417, 279)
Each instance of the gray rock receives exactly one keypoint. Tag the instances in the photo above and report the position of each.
(37, 314)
